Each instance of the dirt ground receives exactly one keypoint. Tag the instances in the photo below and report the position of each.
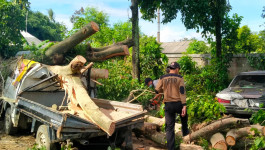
(23, 141)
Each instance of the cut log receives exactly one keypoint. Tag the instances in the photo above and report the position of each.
(217, 126)
(234, 134)
(150, 131)
(161, 121)
(73, 40)
(218, 141)
(155, 120)
(189, 147)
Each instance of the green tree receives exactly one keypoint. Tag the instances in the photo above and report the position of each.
(43, 28)
(198, 47)
(247, 41)
(205, 15)
(11, 22)
(153, 61)
(51, 15)
(84, 16)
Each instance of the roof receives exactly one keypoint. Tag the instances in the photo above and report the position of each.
(260, 72)
(30, 38)
(175, 47)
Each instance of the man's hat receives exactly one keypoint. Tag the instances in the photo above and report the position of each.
(174, 65)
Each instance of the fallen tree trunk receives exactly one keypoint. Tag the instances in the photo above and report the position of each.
(216, 126)
(100, 54)
(189, 147)
(234, 134)
(71, 82)
(57, 51)
(72, 41)
(218, 141)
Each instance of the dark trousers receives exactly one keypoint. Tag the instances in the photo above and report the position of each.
(171, 108)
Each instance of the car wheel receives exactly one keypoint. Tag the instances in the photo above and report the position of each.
(9, 127)
(43, 138)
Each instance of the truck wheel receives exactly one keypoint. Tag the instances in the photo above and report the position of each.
(9, 127)
(43, 138)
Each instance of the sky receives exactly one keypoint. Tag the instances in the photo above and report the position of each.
(119, 10)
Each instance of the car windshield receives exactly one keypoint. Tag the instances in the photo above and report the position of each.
(249, 81)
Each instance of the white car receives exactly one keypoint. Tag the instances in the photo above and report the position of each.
(245, 94)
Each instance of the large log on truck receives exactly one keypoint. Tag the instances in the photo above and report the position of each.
(57, 51)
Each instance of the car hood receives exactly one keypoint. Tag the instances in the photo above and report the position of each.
(241, 93)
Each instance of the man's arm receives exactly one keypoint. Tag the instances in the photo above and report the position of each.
(159, 87)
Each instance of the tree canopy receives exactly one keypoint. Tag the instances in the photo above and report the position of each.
(11, 22)
(45, 28)
(207, 16)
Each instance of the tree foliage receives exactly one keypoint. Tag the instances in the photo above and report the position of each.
(247, 41)
(198, 47)
(84, 16)
(209, 16)
(153, 61)
(43, 28)
(11, 22)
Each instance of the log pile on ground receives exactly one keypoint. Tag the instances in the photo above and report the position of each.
(222, 134)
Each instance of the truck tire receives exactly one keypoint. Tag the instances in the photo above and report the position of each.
(43, 138)
(9, 127)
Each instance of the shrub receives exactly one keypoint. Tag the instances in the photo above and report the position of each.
(203, 108)
(187, 65)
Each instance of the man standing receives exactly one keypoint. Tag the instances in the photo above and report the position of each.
(173, 88)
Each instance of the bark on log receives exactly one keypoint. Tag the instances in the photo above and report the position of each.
(217, 126)
(150, 131)
(158, 137)
(99, 73)
(72, 84)
(161, 121)
(189, 147)
(218, 141)
(101, 54)
(155, 120)
(73, 40)
(260, 128)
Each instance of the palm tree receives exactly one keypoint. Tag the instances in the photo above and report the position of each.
(51, 15)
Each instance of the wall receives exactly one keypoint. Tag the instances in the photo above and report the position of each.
(239, 62)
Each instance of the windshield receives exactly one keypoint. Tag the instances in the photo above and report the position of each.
(249, 81)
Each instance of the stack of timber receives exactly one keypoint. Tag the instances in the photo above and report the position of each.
(223, 134)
